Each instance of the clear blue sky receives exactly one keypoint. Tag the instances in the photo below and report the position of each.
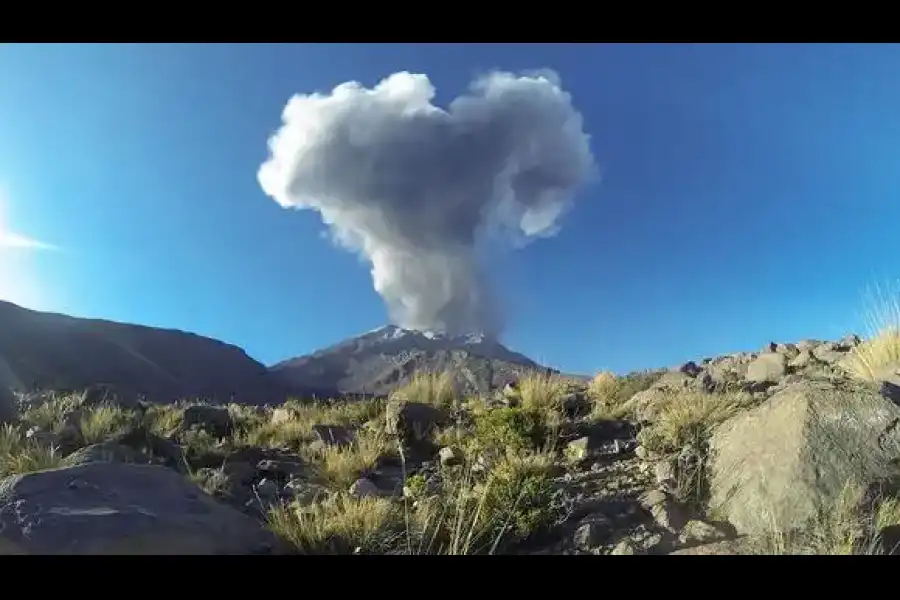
(750, 193)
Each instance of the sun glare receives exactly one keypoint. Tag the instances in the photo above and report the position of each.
(18, 279)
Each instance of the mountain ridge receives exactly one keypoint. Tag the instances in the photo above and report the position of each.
(50, 350)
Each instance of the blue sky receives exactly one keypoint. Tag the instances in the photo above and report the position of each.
(749, 193)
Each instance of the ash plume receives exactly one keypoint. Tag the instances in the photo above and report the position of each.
(416, 188)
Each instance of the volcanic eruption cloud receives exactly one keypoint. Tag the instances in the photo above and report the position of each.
(416, 188)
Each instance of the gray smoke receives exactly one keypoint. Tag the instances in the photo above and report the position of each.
(415, 188)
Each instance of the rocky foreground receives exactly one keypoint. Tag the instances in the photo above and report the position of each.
(793, 449)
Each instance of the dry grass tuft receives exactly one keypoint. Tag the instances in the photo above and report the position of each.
(338, 525)
(436, 389)
(882, 347)
(685, 417)
(19, 454)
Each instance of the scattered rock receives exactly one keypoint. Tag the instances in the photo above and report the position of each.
(593, 531)
(723, 548)
(767, 368)
(280, 470)
(449, 456)
(413, 421)
(697, 532)
(363, 488)
(106, 452)
(214, 420)
(624, 548)
(333, 435)
(665, 473)
(115, 509)
(789, 458)
(802, 360)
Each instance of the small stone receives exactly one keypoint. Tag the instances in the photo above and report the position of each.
(652, 498)
(803, 359)
(449, 456)
(363, 488)
(665, 472)
(624, 548)
(592, 532)
(700, 532)
(768, 368)
(641, 452)
(333, 435)
(649, 542)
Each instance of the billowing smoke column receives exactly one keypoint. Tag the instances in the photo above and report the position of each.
(415, 187)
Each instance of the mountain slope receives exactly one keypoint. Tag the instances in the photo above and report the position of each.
(41, 350)
(380, 360)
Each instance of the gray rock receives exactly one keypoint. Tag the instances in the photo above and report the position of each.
(700, 532)
(214, 420)
(363, 488)
(767, 368)
(723, 548)
(413, 421)
(449, 456)
(665, 473)
(783, 462)
(113, 509)
(333, 435)
(790, 351)
(280, 469)
(624, 548)
(829, 352)
(106, 452)
(593, 531)
(802, 360)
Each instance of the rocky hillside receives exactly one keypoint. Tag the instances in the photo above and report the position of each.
(791, 450)
(40, 350)
(381, 360)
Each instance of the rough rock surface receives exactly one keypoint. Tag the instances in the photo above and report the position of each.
(112, 508)
(789, 458)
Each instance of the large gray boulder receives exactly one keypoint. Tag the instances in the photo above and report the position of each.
(777, 466)
(115, 508)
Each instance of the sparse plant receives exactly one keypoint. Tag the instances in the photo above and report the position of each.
(610, 395)
(101, 422)
(685, 417)
(434, 388)
(881, 349)
(339, 466)
(50, 414)
(164, 420)
(513, 427)
(19, 454)
(339, 525)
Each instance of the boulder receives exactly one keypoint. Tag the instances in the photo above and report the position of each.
(782, 463)
(114, 509)
(767, 368)
(214, 420)
(413, 421)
